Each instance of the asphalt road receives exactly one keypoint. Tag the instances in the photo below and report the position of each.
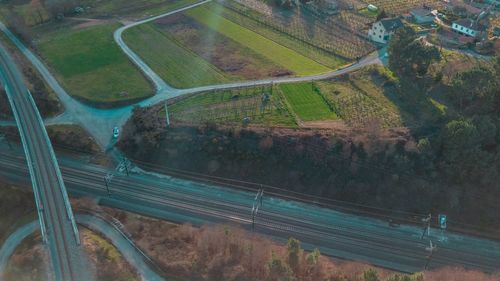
(336, 234)
(56, 219)
(125, 246)
(14, 240)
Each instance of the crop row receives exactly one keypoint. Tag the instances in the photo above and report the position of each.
(331, 36)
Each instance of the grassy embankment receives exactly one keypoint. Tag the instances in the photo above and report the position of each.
(91, 66)
(45, 99)
(17, 207)
(29, 260)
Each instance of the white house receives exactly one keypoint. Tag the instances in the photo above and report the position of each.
(468, 27)
(382, 30)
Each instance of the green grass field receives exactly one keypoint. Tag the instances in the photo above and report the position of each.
(91, 66)
(174, 63)
(308, 104)
(279, 54)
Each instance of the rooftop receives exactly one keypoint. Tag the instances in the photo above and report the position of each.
(420, 12)
(471, 24)
(391, 24)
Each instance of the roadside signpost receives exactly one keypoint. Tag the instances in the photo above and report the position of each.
(256, 204)
(166, 114)
(442, 220)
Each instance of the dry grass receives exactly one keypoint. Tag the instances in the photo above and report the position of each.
(229, 253)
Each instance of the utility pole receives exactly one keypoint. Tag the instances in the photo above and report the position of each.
(427, 226)
(431, 249)
(107, 181)
(442, 220)
(255, 206)
(124, 163)
(166, 114)
(254, 213)
(261, 195)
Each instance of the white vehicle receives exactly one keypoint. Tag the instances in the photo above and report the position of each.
(116, 132)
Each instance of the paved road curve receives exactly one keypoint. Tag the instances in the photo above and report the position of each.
(335, 233)
(126, 247)
(57, 224)
(14, 240)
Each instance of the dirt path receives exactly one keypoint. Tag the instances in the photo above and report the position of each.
(88, 22)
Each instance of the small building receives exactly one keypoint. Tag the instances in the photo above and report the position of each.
(468, 27)
(382, 30)
(422, 16)
(372, 8)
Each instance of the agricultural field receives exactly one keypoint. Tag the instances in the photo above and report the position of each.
(261, 105)
(179, 66)
(321, 56)
(205, 47)
(357, 100)
(403, 6)
(279, 54)
(91, 66)
(360, 99)
(307, 102)
(341, 35)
